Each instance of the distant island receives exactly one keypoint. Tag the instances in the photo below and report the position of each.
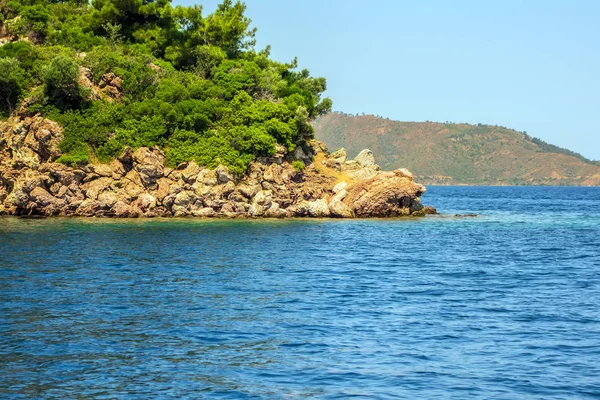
(144, 109)
(458, 154)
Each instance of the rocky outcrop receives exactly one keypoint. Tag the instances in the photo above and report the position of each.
(139, 184)
(386, 194)
(109, 88)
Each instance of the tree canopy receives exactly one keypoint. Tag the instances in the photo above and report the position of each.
(119, 73)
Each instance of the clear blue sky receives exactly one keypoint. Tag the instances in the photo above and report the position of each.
(531, 65)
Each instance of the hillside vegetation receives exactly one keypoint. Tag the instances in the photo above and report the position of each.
(139, 73)
(439, 153)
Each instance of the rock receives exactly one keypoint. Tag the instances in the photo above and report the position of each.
(334, 164)
(131, 191)
(118, 169)
(300, 154)
(236, 197)
(385, 195)
(267, 186)
(45, 203)
(429, 210)
(404, 173)
(365, 158)
(268, 175)
(316, 146)
(318, 208)
(280, 153)
(260, 203)
(154, 67)
(363, 173)
(63, 174)
(204, 212)
(123, 210)
(339, 187)
(183, 199)
(338, 209)
(207, 177)
(164, 185)
(300, 209)
(90, 177)
(416, 208)
(94, 188)
(146, 202)
(227, 189)
(363, 167)
(202, 190)
(32, 141)
(223, 175)
(228, 208)
(110, 84)
(168, 201)
(190, 173)
(263, 197)
(85, 80)
(91, 208)
(101, 170)
(134, 177)
(341, 195)
(46, 137)
(149, 164)
(107, 199)
(340, 154)
(126, 157)
(256, 210)
(275, 211)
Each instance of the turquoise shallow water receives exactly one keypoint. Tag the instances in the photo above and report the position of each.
(502, 306)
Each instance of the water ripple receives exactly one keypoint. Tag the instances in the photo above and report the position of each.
(500, 306)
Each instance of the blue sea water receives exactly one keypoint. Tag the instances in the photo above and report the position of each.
(505, 305)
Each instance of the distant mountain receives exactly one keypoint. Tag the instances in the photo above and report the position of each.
(458, 154)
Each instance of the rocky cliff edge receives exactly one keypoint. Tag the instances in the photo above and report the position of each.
(139, 184)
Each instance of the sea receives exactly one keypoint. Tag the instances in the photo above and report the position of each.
(501, 305)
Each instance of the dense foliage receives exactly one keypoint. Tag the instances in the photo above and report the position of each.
(550, 148)
(189, 83)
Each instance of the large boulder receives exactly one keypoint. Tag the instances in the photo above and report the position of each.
(44, 203)
(339, 209)
(388, 194)
(223, 175)
(94, 188)
(43, 138)
(340, 155)
(363, 166)
(365, 158)
(318, 208)
(260, 203)
(190, 173)
(150, 165)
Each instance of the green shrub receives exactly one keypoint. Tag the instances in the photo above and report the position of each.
(61, 82)
(11, 84)
(77, 157)
(298, 165)
(25, 53)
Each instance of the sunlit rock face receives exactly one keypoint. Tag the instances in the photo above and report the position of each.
(139, 184)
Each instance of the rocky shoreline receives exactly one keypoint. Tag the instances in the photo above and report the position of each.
(139, 184)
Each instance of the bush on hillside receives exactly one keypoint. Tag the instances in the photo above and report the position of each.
(190, 83)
